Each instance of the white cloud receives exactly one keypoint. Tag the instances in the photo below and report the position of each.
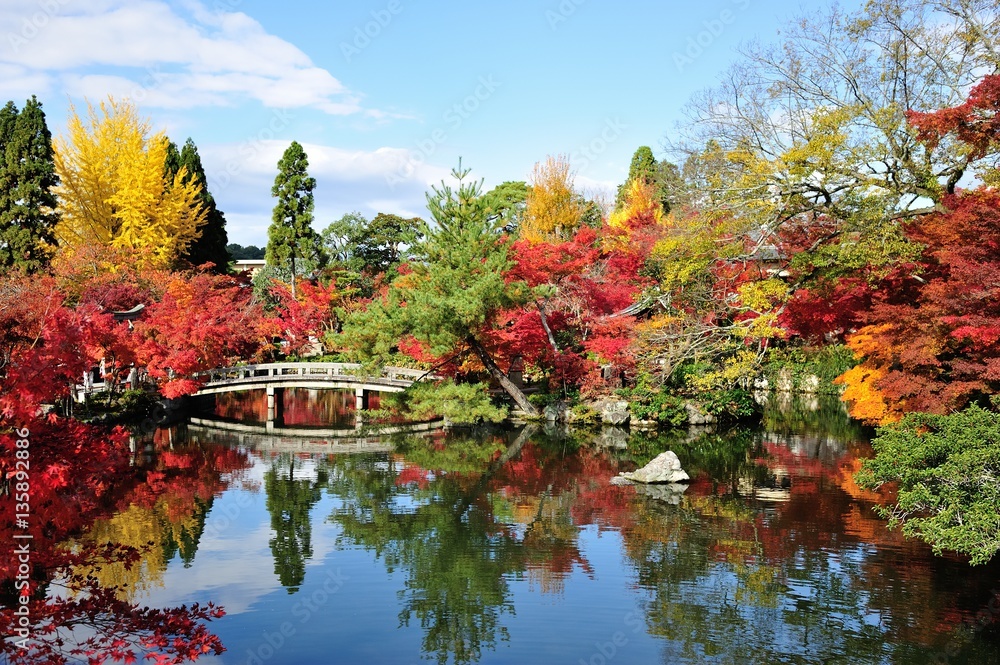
(382, 180)
(171, 57)
(18, 83)
(593, 188)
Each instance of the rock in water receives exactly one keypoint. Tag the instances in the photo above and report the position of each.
(669, 493)
(614, 412)
(665, 468)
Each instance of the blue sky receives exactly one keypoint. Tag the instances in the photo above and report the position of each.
(385, 95)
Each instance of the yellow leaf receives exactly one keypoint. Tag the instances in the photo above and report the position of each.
(113, 189)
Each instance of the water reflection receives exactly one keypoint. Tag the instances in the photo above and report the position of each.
(290, 500)
(514, 547)
(102, 529)
(295, 407)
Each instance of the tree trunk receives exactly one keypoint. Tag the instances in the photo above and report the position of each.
(545, 326)
(508, 385)
(513, 450)
(293, 278)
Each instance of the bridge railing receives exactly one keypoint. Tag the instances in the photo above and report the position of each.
(243, 373)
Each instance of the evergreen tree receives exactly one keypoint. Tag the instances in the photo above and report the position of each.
(509, 200)
(27, 177)
(458, 286)
(237, 251)
(210, 246)
(663, 175)
(372, 247)
(291, 237)
(8, 118)
(172, 161)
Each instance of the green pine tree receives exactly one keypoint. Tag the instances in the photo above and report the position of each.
(27, 178)
(663, 175)
(172, 162)
(210, 246)
(291, 237)
(457, 286)
(8, 118)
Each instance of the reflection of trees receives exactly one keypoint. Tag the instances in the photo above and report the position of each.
(103, 529)
(823, 418)
(163, 515)
(249, 406)
(439, 526)
(307, 407)
(151, 531)
(460, 516)
(789, 579)
(289, 501)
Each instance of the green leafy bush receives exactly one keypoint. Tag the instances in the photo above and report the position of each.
(826, 362)
(947, 469)
(461, 404)
(655, 404)
(732, 404)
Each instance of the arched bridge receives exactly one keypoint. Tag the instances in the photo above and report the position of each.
(274, 377)
(306, 375)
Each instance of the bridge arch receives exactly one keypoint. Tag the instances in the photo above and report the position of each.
(274, 377)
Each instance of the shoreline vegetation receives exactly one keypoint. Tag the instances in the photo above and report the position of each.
(829, 222)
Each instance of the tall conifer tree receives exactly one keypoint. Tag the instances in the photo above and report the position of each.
(27, 176)
(210, 245)
(291, 237)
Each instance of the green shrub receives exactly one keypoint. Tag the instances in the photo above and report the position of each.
(728, 405)
(584, 415)
(826, 362)
(461, 404)
(947, 469)
(655, 404)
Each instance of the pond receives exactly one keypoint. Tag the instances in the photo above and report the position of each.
(513, 547)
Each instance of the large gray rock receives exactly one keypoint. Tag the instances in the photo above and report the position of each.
(557, 412)
(696, 416)
(614, 412)
(665, 468)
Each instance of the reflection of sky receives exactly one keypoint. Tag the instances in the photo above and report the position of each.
(347, 610)
(233, 566)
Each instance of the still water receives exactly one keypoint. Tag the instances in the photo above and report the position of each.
(512, 547)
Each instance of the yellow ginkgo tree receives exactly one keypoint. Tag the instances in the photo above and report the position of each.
(115, 191)
(553, 210)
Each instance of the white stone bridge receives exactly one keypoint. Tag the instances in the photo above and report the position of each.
(273, 377)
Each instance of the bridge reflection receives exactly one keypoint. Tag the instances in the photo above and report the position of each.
(301, 440)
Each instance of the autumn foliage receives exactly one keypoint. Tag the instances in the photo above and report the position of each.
(203, 321)
(932, 339)
(114, 189)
